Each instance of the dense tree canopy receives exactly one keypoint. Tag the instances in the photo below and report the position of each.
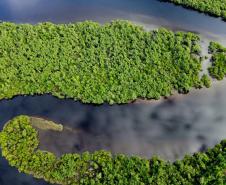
(115, 63)
(213, 7)
(218, 68)
(19, 143)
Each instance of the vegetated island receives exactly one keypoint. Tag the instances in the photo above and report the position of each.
(117, 62)
(212, 7)
(218, 68)
(19, 143)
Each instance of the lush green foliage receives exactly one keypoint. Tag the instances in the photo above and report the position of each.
(218, 68)
(115, 63)
(213, 7)
(19, 143)
(206, 80)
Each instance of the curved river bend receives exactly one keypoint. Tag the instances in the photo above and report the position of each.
(169, 128)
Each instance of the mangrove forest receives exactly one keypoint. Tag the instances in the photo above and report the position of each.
(212, 7)
(218, 68)
(115, 63)
(19, 143)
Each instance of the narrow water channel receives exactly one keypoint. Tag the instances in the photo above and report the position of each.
(169, 128)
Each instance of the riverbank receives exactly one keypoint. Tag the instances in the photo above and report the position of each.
(214, 8)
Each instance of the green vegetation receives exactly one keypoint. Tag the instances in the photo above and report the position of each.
(206, 81)
(19, 143)
(45, 124)
(115, 63)
(218, 68)
(212, 7)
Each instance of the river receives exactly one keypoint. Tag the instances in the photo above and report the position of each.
(170, 128)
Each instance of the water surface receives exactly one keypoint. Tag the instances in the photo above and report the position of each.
(169, 128)
(152, 13)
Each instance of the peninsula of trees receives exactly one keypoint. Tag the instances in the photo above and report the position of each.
(19, 143)
(115, 63)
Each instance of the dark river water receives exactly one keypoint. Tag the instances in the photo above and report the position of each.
(170, 128)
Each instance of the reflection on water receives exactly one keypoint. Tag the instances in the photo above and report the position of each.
(198, 116)
(170, 128)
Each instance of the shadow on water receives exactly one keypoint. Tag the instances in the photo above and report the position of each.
(169, 128)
